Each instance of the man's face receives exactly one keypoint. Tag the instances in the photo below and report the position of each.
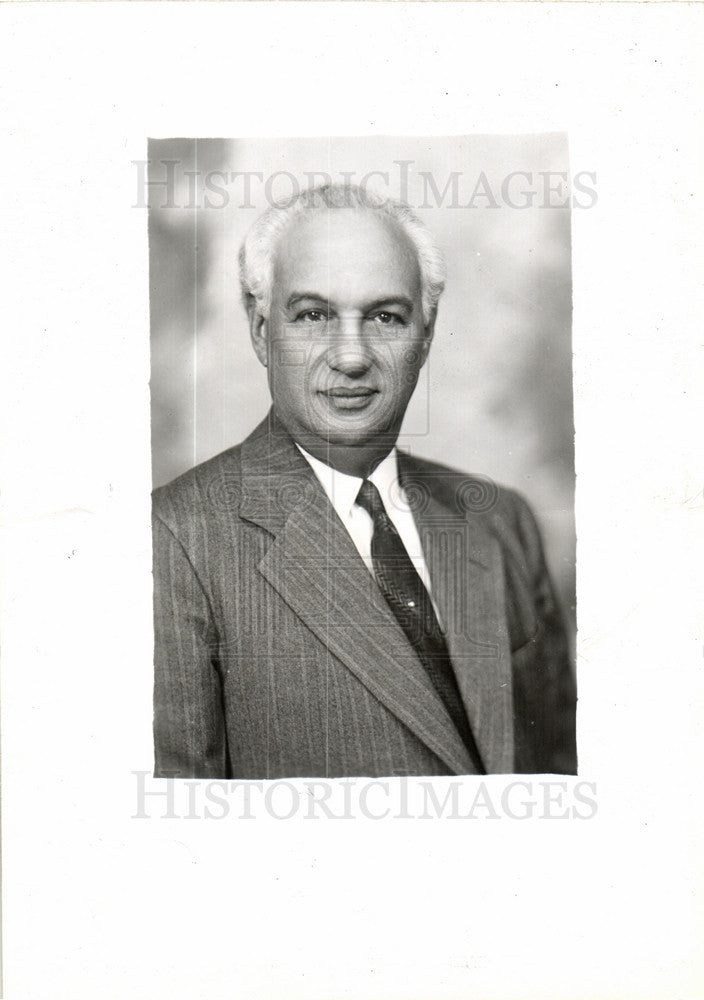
(345, 337)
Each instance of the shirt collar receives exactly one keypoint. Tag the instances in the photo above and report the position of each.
(342, 489)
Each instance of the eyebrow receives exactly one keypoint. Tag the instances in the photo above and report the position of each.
(302, 297)
(401, 300)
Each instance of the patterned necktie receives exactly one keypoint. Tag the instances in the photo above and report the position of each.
(410, 602)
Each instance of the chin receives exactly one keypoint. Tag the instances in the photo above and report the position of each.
(359, 436)
(357, 428)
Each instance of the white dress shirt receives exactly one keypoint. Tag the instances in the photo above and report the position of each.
(342, 491)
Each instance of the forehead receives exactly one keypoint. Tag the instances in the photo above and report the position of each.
(346, 253)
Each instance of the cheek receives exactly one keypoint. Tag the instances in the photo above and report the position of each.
(290, 376)
(408, 363)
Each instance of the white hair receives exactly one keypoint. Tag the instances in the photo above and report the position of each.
(257, 253)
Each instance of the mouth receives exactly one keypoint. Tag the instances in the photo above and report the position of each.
(349, 397)
(349, 392)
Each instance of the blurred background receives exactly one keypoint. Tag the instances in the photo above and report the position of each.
(496, 395)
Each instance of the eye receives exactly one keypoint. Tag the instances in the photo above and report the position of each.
(389, 318)
(312, 316)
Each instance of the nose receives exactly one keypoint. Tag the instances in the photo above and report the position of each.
(349, 352)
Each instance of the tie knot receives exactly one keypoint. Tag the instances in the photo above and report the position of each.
(370, 500)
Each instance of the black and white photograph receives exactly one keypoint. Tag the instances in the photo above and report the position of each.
(351, 569)
(327, 604)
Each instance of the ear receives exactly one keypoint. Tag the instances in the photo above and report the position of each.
(258, 331)
(428, 333)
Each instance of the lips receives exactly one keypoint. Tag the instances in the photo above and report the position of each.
(348, 399)
(349, 392)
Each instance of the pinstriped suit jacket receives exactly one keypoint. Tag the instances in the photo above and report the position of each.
(277, 656)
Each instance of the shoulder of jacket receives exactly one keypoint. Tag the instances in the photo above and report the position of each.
(469, 493)
(492, 507)
(217, 480)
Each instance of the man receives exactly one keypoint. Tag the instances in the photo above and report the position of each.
(326, 605)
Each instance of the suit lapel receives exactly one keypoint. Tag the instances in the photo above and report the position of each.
(314, 566)
(466, 572)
